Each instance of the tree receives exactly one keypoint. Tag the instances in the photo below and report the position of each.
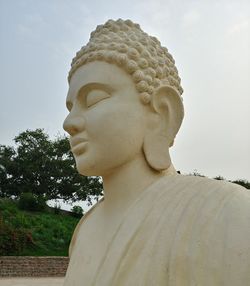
(45, 168)
(6, 169)
(243, 183)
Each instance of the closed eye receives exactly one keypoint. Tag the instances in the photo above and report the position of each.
(95, 96)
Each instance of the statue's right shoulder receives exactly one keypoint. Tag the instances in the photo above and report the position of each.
(82, 220)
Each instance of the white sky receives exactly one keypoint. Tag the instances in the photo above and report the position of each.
(210, 41)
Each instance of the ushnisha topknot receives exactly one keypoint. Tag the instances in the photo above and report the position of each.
(124, 43)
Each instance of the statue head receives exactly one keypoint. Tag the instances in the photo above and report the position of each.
(125, 79)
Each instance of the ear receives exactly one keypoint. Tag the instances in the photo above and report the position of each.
(167, 104)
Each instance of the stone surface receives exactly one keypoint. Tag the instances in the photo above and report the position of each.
(32, 266)
(31, 281)
(153, 227)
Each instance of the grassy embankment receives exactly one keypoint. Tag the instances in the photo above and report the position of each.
(34, 233)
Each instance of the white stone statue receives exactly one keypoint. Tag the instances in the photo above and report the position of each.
(154, 226)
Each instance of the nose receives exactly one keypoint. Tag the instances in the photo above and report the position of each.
(73, 124)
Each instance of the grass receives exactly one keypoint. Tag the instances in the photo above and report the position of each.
(34, 233)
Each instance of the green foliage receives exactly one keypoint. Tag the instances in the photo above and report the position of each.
(31, 202)
(57, 208)
(219, 178)
(77, 211)
(34, 233)
(196, 173)
(13, 239)
(243, 183)
(45, 168)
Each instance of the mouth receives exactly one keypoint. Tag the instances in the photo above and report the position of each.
(78, 145)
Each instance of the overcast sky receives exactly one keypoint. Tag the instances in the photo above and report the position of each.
(209, 40)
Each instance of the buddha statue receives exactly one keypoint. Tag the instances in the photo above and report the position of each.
(153, 227)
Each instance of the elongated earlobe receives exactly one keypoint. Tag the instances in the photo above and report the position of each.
(168, 108)
(156, 151)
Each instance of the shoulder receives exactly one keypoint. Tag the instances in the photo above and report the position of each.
(232, 198)
(219, 208)
(214, 226)
(203, 185)
(76, 231)
(207, 182)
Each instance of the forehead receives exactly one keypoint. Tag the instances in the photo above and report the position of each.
(99, 73)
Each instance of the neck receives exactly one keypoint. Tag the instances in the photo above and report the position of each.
(127, 182)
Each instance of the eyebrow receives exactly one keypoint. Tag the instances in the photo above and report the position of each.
(86, 89)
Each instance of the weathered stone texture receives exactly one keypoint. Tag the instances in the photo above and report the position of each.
(30, 266)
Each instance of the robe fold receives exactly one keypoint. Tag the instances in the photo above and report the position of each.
(181, 231)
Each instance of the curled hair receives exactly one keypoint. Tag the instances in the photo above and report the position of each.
(124, 43)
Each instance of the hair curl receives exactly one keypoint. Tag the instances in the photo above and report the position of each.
(124, 43)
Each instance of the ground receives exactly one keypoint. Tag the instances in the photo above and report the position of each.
(31, 281)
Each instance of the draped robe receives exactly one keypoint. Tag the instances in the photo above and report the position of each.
(181, 231)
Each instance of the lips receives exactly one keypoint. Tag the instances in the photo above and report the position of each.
(78, 145)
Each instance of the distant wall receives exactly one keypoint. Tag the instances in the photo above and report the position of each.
(31, 266)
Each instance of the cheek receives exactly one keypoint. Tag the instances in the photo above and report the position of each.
(115, 137)
(113, 117)
(113, 125)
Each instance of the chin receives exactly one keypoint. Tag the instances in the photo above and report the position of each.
(86, 167)
(85, 170)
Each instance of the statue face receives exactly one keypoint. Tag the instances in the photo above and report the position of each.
(106, 121)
